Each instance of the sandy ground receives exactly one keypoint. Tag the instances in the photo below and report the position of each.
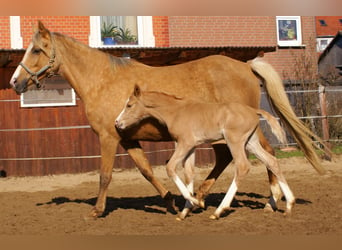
(56, 205)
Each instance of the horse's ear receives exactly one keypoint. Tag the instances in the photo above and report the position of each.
(137, 90)
(43, 32)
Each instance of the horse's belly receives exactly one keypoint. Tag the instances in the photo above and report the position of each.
(147, 130)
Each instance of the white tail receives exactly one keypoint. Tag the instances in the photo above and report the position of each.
(280, 103)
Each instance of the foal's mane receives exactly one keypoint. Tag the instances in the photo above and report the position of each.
(157, 99)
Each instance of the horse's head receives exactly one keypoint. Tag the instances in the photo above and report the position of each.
(38, 61)
(133, 112)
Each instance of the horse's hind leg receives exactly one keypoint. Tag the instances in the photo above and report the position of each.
(137, 154)
(223, 158)
(272, 164)
(108, 149)
(276, 193)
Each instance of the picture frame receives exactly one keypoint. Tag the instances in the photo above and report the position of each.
(289, 31)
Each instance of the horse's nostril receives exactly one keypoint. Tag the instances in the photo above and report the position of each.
(13, 82)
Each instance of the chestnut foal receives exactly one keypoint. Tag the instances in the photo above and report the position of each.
(192, 123)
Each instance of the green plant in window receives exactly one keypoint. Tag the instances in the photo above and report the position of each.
(108, 30)
(125, 36)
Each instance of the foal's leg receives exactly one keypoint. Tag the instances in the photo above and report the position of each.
(223, 158)
(108, 149)
(137, 154)
(177, 159)
(276, 193)
(272, 164)
(189, 173)
(242, 167)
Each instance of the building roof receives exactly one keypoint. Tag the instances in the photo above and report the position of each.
(331, 44)
(327, 26)
(159, 56)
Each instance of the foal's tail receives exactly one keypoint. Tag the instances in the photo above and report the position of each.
(277, 130)
(282, 107)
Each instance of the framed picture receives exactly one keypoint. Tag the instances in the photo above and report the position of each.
(289, 31)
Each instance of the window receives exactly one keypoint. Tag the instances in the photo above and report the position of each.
(289, 32)
(322, 22)
(322, 43)
(55, 91)
(16, 39)
(119, 30)
(110, 31)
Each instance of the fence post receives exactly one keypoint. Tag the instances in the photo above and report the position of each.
(325, 123)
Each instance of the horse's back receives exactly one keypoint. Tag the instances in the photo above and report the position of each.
(214, 78)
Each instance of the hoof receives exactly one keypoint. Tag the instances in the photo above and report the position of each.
(179, 219)
(201, 204)
(94, 214)
(213, 217)
(170, 203)
(287, 213)
(268, 208)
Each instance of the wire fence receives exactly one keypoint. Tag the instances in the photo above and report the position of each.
(337, 140)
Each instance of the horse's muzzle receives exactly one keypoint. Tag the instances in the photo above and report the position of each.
(119, 125)
(19, 87)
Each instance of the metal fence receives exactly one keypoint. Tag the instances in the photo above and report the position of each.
(158, 153)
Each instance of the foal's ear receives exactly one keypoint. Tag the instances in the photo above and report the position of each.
(137, 90)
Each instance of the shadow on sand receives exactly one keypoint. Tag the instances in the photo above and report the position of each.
(155, 204)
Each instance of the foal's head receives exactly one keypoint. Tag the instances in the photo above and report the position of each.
(133, 112)
(143, 104)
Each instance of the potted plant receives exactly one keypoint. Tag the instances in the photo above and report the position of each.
(125, 36)
(108, 32)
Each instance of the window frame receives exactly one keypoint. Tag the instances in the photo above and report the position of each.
(15, 33)
(290, 43)
(70, 100)
(145, 33)
(319, 43)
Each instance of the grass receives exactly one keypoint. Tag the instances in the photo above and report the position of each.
(298, 153)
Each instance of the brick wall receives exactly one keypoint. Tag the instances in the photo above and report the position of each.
(5, 41)
(242, 31)
(283, 59)
(185, 31)
(222, 31)
(77, 27)
(161, 31)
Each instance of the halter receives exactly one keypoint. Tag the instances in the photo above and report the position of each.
(34, 75)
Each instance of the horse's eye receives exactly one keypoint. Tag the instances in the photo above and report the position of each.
(129, 105)
(36, 50)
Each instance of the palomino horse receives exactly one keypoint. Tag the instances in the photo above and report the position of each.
(104, 82)
(192, 123)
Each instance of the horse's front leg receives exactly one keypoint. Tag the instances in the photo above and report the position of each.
(108, 145)
(137, 154)
(223, 158)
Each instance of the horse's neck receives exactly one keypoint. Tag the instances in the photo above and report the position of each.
(166, 109)
(81, 65)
